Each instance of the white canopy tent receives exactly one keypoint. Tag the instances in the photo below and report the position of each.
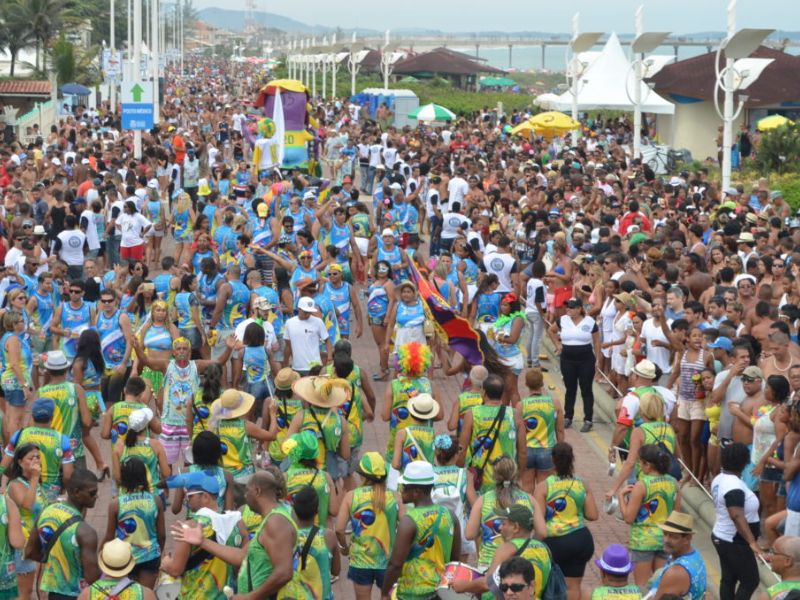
(608, 83)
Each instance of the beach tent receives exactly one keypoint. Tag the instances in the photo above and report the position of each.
(604, 83)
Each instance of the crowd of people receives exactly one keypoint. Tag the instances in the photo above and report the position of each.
(187, 320)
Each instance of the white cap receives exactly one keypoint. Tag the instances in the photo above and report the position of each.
(307, 304)
(396, 186)
(84, 161)
(418, 472)
(309, 196)
(153, 184)
(139, 418)
(387, 231)
(261, 303)
(55, 161)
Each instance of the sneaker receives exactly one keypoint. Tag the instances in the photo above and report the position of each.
(587, 426)
(567, 423)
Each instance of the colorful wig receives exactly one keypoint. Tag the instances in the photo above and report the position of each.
(413, 359)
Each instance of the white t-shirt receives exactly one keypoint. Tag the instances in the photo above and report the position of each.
(457, 189)
(656, 354)
(502, 265)
(375, 155)
(269, 332)
(72, 241)
(724, 484)
(451, 225)
(91, 228)
(536, 292)
(734, 394)
(132, 227)
(389, 157)
(12, 256)
(305, 337)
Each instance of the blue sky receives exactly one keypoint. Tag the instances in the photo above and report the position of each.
(679, 16)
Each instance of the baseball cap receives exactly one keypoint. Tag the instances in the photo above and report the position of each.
(722, 342)
(309, 196)
(43, 409)
(516, 513)
(387, 231)
(195, 481)
(261, 303)
(307, 305)
(396, 187)
(753, 372)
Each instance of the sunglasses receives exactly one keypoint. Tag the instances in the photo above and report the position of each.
(106, 300)
(76, 291)
(514, 587)
(750, 379)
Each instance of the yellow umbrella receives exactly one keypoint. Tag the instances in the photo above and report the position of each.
(772, 122)
(547, 124)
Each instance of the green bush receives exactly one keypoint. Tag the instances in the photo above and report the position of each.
(779, 151)
(789, 185)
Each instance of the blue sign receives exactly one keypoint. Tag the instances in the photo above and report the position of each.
(137, 116)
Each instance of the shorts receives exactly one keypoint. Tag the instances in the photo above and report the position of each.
(771, 475)
(132, 252)
(157, 233)
(193, 335)
(346, 467)
(377, 321)
(648, 555)
(14, 397)
(23, 565)
(174, 438)
(540, 459)
(93, 254)
(102, 250)
(366, 576)
(572, 551)
(691, 410)
(219, 348)
(149, 566)
(40, 344)
(561, 295)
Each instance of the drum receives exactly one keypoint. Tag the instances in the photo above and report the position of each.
(456, 571)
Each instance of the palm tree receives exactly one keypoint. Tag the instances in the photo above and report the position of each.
(45, 18)
(15, 30)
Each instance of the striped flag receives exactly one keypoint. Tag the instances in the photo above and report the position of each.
(454, 328)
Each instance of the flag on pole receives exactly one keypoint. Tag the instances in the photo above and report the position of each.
(455, 329)
(280, 125)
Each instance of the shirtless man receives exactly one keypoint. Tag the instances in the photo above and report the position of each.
(696, 280)
(758, 323)
(779, 360)
(752, 380)
(746, 288)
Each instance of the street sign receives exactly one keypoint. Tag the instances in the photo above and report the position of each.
(137, 105)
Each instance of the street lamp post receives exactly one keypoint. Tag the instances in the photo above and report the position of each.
(739, 72)
(137, 55)
(113, 37)
(154, 58)
(580, 42)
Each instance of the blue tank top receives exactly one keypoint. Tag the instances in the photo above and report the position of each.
(198, 256)
(340, 298)
(340, 237)
(225, 239)
(157, 338)
(471, 272)
(275, 314)
(393, 257)
(161, 283)
(255, 364)
(112, 339)
(299, 274)
(488, 307)
(377, 301)
(262, 232)
(154, 210)
(695, 567)
(184, 301)
(235, 309)
(76, 320)
(207, 288)
(410, 316)
(43, 315)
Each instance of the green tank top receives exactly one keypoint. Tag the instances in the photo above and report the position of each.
(506, 444)
(659, 498)
(236, 450)
(781, 589)
(52, 447)
(102, 590)
(539, 417)
(29, 516)
(373, 530)
(625, 592)
(467, 400)
(312, 576)
(536, 553)
(201, 413)
(657, 432)
(353, 410)
(564, 505)
(286, 412)
(491, 539)
(252, 520)
(63, 571)
(326, 424)
(403, 388)
(298, 477)
(8, 578)
(66, 416)
(137, 516)
(429, 553)
(637, 420)
(212, 574)
(120, 412)
(143, 451)
(417, 444)
(256, 566)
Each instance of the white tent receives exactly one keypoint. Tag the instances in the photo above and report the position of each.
(607, 83)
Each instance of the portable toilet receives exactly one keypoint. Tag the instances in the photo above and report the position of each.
(400, 102)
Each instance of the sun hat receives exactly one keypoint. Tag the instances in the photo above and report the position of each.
(324, 392)
(43, 409)
(678, 522)
(116, 558)
(285, 378)
(309, 196)
(301, 446)
(307, 304)
(776, 194)
(746, 238)
(615, 560)
(153, 183)
(39, 230)
(751, 218)
(516, 513)
(742, 277)
(335, 267)
(418, 472)
(261, 303)
(423, 406)
(638, 238)
(645, 368)
(404, 284)
(56, 361)
(232, 404)
(372, 466)
(625, 298)
(139, 418)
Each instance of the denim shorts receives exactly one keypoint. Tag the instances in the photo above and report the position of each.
(540, 459)
(15, 397)
(193, 335)
(23, 565)
(771, 474)
(345, 467)
(366, 576)
(648, 555)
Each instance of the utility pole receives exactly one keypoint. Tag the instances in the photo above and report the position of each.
(137, 56)
(154, 58)
(182, 32)
(113, 38)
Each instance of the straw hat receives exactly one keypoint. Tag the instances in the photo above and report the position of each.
(116, 558)
(645, 368)
(325, 392)
(423, 406)
(678, 522)
(286, 378)
(232, 404)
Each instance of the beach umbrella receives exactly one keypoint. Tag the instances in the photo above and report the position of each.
(547, 124)
(498, 82)
(772, 122)
(75, 89)
(432, 112)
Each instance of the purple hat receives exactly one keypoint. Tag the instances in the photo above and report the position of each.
(615, 560)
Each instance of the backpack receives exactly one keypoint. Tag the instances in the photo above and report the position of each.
(449, 496)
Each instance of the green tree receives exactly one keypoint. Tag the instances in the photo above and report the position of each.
(46, 18)
(779, 151)
(15, 31)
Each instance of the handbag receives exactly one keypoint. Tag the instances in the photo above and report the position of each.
(477, 472)
(556, 588)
